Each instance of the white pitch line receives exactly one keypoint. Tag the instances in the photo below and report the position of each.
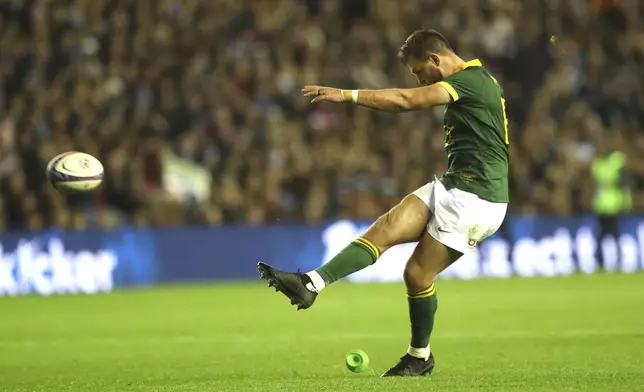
(250, 339)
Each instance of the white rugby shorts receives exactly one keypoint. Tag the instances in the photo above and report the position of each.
(460, 220)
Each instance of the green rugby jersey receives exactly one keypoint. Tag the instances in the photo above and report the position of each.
(476, 134)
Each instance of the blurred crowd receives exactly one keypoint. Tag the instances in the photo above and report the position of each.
(217, 83)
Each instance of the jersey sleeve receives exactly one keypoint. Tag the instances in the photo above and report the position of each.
(461, 84)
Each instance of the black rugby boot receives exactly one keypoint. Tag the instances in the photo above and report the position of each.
(295, 285)
(411, 366)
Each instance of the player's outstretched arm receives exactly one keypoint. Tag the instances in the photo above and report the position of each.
(394, 99)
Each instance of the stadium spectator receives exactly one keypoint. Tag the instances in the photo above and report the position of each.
(208, 93)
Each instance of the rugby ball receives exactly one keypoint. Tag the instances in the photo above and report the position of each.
(74, 171)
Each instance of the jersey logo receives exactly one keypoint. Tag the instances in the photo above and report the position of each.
(448, 133)
(466, 177)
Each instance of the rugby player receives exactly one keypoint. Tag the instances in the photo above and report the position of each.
(448, 216)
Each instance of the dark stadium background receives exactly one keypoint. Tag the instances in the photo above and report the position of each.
(218, 83)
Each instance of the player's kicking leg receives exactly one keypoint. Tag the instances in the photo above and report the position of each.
(446, 224)
(404, 223)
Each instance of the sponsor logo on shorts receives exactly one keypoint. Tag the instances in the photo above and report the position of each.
(475, 234)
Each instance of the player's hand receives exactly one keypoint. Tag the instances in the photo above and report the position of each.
(328, 94)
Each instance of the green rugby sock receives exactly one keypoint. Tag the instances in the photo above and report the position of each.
(422, 308)
(358, 255)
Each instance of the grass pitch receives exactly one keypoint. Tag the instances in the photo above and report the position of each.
(582, 333)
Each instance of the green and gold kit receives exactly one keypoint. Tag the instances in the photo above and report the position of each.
(476, 134)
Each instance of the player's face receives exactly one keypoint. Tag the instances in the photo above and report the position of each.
(426, 71)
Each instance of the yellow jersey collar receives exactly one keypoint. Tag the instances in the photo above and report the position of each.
(471, 63)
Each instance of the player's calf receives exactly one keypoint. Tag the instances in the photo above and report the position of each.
(404, 223)
(429, 258)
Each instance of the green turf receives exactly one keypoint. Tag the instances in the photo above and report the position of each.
(568, 334)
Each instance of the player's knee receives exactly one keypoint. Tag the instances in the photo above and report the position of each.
(404, 223)
(416, 277)
(383, 232)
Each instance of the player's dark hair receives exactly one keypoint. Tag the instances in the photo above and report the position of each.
(421, 43)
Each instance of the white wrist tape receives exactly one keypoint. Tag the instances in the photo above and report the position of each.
(354, 96)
